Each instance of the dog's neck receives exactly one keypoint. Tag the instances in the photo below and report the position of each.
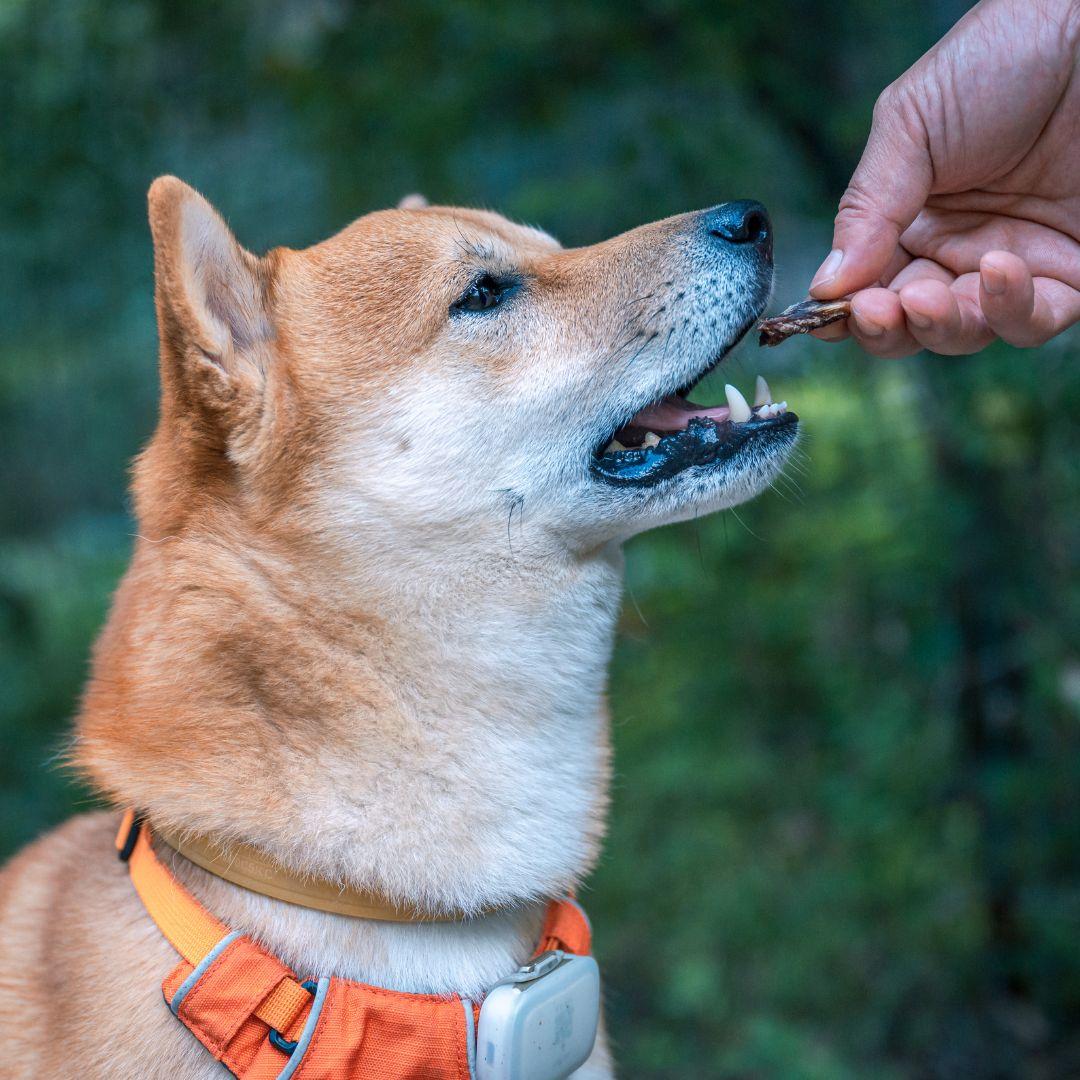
(444, 744)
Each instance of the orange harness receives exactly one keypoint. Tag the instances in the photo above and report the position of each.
(253, 1014)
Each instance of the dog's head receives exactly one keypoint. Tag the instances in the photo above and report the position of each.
(430, 378)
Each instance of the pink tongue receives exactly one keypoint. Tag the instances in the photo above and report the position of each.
(674, 414)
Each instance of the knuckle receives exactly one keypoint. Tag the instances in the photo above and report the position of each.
(1020, 328)
(1020, 333)
(896, 108)
(891, 344)
(957, 347)
(856, 202)
(1029, 338)
(887, 103)
(857, 210)
(899, 117)
(860, 209)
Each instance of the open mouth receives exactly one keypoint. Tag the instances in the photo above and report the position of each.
(674, 434)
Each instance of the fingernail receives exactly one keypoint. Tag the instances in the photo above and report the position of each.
(828, 269)
(993, 280)
(918, 319)
(867, 327)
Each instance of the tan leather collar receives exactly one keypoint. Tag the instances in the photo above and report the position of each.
(249, 868)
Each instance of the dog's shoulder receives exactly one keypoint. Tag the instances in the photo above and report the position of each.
(81, 964)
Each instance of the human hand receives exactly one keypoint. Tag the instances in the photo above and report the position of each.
(961, 222)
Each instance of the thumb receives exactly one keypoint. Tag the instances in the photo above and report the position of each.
(886, 192)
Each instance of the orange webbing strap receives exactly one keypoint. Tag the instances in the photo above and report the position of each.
(283, 1004)
(229, 993)
(188, 926)
(566, 927)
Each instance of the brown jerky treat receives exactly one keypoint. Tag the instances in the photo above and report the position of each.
(801, 318)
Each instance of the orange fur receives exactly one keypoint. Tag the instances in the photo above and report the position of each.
(330, 642)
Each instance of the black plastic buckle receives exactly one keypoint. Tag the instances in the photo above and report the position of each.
(133, 835)
(287, 1046)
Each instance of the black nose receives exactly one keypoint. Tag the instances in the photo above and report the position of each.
(742, 222)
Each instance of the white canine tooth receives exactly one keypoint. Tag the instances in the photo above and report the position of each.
(780, 407)
(740, 410)
(613, 446)
(762, 393)
(651, 438)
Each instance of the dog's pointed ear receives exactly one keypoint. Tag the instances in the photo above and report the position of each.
(211, 298)
(415, 201)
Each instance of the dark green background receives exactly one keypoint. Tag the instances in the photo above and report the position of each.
(844, 840)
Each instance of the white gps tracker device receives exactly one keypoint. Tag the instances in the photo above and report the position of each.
(540, 1023)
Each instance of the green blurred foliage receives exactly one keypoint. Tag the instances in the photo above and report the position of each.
(844, 839)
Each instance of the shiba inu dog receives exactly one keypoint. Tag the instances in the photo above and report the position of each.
(366, 626)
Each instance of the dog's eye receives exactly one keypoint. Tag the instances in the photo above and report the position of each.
(482, 295)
